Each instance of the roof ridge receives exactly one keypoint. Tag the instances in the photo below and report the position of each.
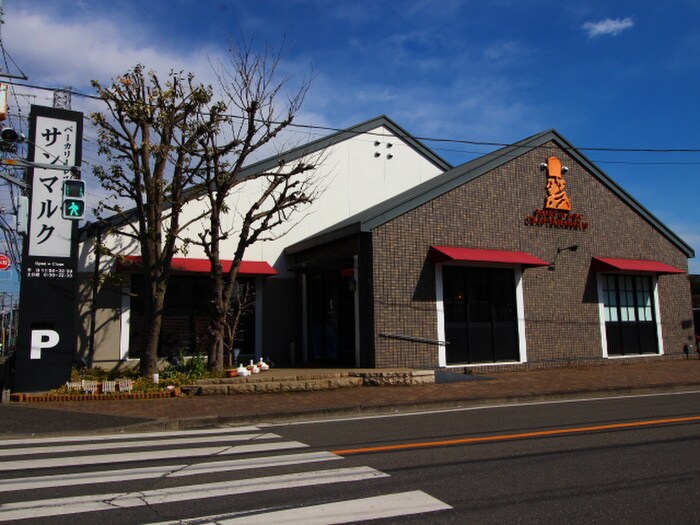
(90, 229)
(393, 207)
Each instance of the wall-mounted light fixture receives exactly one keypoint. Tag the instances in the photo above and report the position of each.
(544, 166)
(572, 248)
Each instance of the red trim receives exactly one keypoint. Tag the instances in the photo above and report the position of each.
(182, 264)
(449, 253)
(633, 265)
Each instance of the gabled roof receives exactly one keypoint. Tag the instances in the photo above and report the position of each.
(298, 152)
(340, 136)
(388, 210)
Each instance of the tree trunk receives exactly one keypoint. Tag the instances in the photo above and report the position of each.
(216, 345)
(217, 323)
(217, 330)
(149, 352)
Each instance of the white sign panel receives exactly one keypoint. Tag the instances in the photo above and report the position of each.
(56, 143)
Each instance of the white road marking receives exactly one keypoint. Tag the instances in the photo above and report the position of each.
(79, 447)
(429, 411)
(85, 478)
(350, 511)
(55, 462)
(102, 502)
(118, 436)
(251, 463)
(167, 471)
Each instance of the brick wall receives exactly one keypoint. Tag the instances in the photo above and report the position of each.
(561, 306)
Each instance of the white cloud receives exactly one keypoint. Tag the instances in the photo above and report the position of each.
(73, 52)
(609, 26)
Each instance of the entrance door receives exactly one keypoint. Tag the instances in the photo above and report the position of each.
(630, 324)
(331, 318)
(480, 315)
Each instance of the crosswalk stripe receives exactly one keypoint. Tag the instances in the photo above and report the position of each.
(349, 511)
(119, 436)
(102, 502)
(85, 478)
(167, 471)
(125, 457)
(258, 462)
(78, 447)
(182, 445)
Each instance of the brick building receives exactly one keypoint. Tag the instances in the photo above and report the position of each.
(528, 256)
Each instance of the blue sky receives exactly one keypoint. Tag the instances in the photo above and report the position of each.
(605, 74)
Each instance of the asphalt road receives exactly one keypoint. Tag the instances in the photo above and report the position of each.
(631, 474)
(632, 460)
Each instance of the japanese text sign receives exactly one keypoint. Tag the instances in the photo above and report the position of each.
(56, 142)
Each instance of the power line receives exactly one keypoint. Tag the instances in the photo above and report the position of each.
(331, 129)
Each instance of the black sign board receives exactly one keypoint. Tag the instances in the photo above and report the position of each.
(46, 343)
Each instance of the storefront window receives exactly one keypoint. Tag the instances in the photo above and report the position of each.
(480, 315)
(630, 324)
(186, 316)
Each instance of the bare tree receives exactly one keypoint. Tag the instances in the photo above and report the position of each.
(243, 305)
(150, 135)
(251, 92)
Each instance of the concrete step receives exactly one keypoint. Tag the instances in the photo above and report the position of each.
(274, 376)
(301, 380)
(260, 385)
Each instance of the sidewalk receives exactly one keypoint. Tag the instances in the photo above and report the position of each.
(24, 419)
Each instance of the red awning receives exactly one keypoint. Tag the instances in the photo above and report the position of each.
(183, 264)
(633, 265)
(449, 253)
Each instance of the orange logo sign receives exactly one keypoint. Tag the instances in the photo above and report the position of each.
(557, 206)
(557, 199)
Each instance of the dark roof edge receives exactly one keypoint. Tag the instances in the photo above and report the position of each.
(323, 238)
(339, 136)
(479, 166)
(391, 208)
(448, 181)
(388, 210)
(293, 154)
(621, 193)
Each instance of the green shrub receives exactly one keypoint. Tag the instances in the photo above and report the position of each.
(191, 368)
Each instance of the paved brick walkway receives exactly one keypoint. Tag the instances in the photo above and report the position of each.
(208, 410)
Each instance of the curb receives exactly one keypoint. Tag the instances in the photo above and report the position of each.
(398, 407)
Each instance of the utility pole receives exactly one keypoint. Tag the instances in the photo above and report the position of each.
(7, 74)
(2, 326)
(7, 329)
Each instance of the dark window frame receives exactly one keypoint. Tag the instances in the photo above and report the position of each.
(489, 329)
(629, 314)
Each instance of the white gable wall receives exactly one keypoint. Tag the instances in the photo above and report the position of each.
(354, 179)
(356, 173)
